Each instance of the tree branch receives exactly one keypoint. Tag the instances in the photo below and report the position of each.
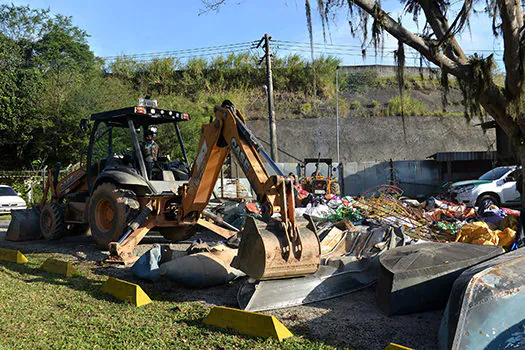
(416, 42)
(495, 103)
(436, 18)
(511, 22)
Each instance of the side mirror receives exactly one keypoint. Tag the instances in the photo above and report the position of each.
(19, 194)
(84, 125)
(510, 179)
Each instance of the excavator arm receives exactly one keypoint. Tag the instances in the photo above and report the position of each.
(276, 248)
(227, 132)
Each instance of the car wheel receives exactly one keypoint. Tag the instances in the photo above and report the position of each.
(487, 200)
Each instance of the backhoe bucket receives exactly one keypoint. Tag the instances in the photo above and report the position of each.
(24, 225)
(261, 252)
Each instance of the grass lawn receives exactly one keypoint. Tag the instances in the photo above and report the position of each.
(43, 310)
(5, 216)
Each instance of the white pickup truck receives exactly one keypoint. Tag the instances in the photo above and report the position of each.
(496, 186)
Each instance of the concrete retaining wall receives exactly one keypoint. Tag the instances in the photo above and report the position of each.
(375, 138)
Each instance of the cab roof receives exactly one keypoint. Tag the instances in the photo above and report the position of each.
(140, 116)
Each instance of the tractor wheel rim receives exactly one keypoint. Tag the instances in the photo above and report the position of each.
(105, 215)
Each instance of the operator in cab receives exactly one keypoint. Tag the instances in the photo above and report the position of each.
(150, 152)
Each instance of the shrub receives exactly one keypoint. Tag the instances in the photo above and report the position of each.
(355, 105)
(305, 108)
(359, 81)
(396, 105)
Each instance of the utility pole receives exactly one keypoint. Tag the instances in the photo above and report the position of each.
(269, 89)
(337, 112)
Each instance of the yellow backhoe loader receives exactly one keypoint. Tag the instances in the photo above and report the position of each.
(121, 204)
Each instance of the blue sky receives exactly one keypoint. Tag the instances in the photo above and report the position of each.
(132, 27)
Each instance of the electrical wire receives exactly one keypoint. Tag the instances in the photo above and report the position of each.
(337, 50)
(344, 46)
(183, 53)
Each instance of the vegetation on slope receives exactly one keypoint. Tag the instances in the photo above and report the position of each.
(50, 79)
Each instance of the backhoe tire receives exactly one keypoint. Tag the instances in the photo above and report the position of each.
(110, 210)
(178, 233)
(335, 189)
(52, 223)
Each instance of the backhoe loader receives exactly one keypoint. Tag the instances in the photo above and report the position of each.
(317, 183)
(276, 248)
(121, 204)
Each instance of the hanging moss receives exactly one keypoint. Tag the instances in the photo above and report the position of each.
(377, 27)
(445, 86)
(399, 56)
(481, 75)
(310, 32)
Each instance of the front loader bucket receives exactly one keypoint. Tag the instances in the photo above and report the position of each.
(24, 225)
(261, 255)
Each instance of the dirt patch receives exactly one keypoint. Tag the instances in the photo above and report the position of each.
(353, 320)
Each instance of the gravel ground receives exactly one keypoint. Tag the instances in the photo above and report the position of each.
(353, 320)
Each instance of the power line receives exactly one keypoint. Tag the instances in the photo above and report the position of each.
(284, 45)
(335, 50)
(344, 46)
(208, 48)
(183, 53)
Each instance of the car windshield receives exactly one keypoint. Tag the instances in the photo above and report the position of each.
(494, 174)
(7, 191)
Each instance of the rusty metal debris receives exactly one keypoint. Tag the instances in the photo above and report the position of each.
(385, 202)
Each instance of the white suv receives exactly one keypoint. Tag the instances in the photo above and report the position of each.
(497, 186)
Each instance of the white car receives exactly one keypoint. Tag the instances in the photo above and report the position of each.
(496, 186)
(10, 200)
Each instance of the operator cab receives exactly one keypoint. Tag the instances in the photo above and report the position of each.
(116, 143)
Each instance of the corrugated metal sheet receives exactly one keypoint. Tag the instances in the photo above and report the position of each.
(462, 156)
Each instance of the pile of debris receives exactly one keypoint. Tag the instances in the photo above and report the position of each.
(431, 220)
(353, 233)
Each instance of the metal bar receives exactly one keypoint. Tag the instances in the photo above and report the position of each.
(217, 219)
(138, 151)
(224, 233)
(222, 180)
(337, 112)
(182, 147)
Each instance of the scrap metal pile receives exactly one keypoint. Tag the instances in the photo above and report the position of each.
(431, 220)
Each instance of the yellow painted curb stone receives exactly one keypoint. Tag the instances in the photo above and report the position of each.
(125, 291)
(12, 256)
(249, 323)
(58, 266)
(394, 346)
